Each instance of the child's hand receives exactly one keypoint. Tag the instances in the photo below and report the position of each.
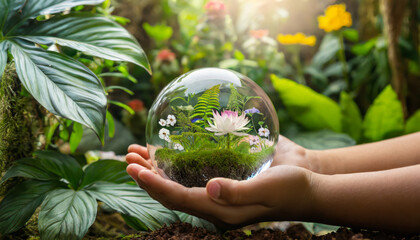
(280, 192)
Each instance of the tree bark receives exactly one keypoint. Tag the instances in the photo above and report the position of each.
(393, 12)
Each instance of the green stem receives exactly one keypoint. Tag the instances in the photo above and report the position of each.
(296, 60)
(342, 58)
(228, 141)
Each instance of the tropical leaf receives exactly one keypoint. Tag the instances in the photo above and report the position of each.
(91, 34)
(66, 214)
(413, 123)
(384, 118)
(3, 56)
(61, 165)
(133, 201)
(106, 170)
(352, 119)
(19, 11)
(21, 202)
(30, 168)
(195, 221)
(324, 139)
(62, 85)
(207, 103)
(76, 136)
(309, 108)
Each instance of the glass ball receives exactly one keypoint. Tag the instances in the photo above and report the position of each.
(211, 123)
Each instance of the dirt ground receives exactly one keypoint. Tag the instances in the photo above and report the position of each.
(185, 231)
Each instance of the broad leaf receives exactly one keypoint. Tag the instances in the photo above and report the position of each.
(91, 34)
(62, 85)
(30, 168)
(8, 10)
(384, 118)
(61, 165)
(76, 136)
(309, 108)
(21, 202)
(134, 223)
(159, 33)
(3, 56)
(352, 119)
(324, 139)
(133, 201)
(413, 123)
(30, 9)
(350, 34)
(66, 214)
(195, 221)
(327, 50)
(107, 171)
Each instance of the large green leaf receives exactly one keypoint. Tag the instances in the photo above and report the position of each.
(62, 85)
(324, 139)
(66, 214)
(352, 119)
(133, 201)
(327, 50)
(30, 168)
(311, 109)
(195, 221)
(91, 34)
(22, 10)
(8, 9)
(107, 171)
(21, 202)
(61, 165)
(413, 123)
(384, 118)
(3, 56)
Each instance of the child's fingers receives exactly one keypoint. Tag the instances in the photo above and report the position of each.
(137, 159)
(141, 150)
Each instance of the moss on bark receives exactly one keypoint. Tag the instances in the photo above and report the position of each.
(16, 139)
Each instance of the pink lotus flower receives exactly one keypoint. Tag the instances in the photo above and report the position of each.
(228, 122)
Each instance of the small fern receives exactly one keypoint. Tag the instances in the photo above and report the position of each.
(237, 101)
(207, 103)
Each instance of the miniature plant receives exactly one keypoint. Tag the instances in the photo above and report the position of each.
(216, 133)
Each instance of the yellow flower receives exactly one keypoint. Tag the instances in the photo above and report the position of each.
(335, 18)
(298, 38)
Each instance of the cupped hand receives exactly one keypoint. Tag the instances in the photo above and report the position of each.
(279, 193)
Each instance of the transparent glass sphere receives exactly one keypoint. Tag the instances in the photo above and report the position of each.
(211, 123)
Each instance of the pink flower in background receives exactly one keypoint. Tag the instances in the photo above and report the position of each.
(136, 104)
(228, 122)
(260, 33)
(166, 55)
(215, 9)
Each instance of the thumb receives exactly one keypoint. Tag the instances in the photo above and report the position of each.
(232, 192)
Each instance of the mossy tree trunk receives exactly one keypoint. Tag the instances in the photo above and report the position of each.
(17, 139)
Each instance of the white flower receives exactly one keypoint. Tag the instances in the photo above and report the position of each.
(228, 122)
(162, 122)
(164, 134)
(178, 146)
(171, 120)
(255, 150)
(254, 140)
(263, 132)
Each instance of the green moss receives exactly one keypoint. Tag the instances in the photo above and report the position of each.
(195, 168)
